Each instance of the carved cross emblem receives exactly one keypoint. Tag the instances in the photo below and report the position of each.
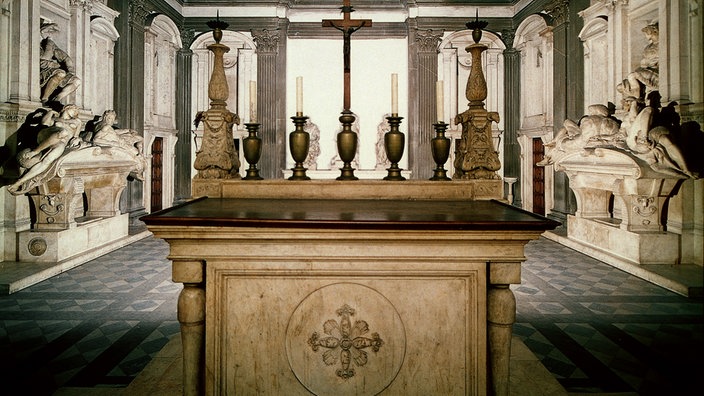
(345, 342)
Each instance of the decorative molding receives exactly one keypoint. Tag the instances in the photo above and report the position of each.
(10, 116)
(266, 40)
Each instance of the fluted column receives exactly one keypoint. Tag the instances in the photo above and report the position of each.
(271, 87)
(182, 171)
(421, 131)
(512, 114)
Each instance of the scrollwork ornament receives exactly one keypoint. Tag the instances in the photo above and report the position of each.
(428, 40)
(266, 40)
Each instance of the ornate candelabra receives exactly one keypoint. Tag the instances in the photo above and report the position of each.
(252, 147)
(394, 143)
(441, 151)
(298, 142)
(347, 146)
(476, 157)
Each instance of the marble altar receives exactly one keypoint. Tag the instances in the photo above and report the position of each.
(370, 293)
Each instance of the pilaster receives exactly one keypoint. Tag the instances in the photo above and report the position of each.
(129, 88)
(423, 45)
(568, 85)
(512, 114)
(184, 66)
(271, 86)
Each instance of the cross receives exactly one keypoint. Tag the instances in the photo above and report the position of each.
(347, 26)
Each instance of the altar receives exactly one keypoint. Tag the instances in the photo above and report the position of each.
(355, 296)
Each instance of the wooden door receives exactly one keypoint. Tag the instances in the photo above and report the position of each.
(538, 177)
(157, 168)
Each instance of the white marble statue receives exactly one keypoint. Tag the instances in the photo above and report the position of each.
(127, 139)
(382, 161)
(61, 133)
(646, 77)
(57, 71)
(311, 161)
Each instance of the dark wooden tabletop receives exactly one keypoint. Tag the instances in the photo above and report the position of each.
(350, 214)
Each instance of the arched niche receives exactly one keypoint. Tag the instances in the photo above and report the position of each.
(103, 36)
(596, 61)
(162, 40)
(454, 65)
(533, 41)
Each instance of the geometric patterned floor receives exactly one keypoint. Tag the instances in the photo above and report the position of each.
(595, 328)
(599, 329)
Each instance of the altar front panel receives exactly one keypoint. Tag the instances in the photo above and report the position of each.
(416, 328)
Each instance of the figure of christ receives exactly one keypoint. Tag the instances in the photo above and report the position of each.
(347, 26)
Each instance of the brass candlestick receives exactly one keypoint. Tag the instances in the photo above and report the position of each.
(347, 146)
(441, 151)
(298, 142)
(394, 143)
(252, 147)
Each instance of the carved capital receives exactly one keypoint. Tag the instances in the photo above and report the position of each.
(508, 35)
(187, 37)
(611, 4)
(428, 40)
(266, 40)
(87, 5)
(559, 11)
(138, 12)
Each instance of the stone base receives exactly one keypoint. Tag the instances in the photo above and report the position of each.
(640, 248)
(54, 246)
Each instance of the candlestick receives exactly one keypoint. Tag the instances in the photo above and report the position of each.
(439, 97)
(253, 101)
(394, 94)
(299, 96)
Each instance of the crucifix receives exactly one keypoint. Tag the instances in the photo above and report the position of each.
(347, 26)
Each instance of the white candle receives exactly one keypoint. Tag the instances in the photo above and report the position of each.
(253, 101)
(299, 95)
(394, 94)
(440, 98)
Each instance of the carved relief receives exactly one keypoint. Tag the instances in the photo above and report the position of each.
(36, 246)
(345, 342)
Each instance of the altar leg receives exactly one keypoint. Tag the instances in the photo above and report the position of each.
(191, 315)
(501, 314)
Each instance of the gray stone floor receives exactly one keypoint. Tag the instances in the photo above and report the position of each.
(595, 328)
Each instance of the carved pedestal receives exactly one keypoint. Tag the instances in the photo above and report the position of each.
(63, 226)
(629, 226)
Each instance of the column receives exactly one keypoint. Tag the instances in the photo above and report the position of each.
(271, 110)
(78, 49)
(24, 25)
(184, 66)
(423, 47)
(129, 89)
(512, 114)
